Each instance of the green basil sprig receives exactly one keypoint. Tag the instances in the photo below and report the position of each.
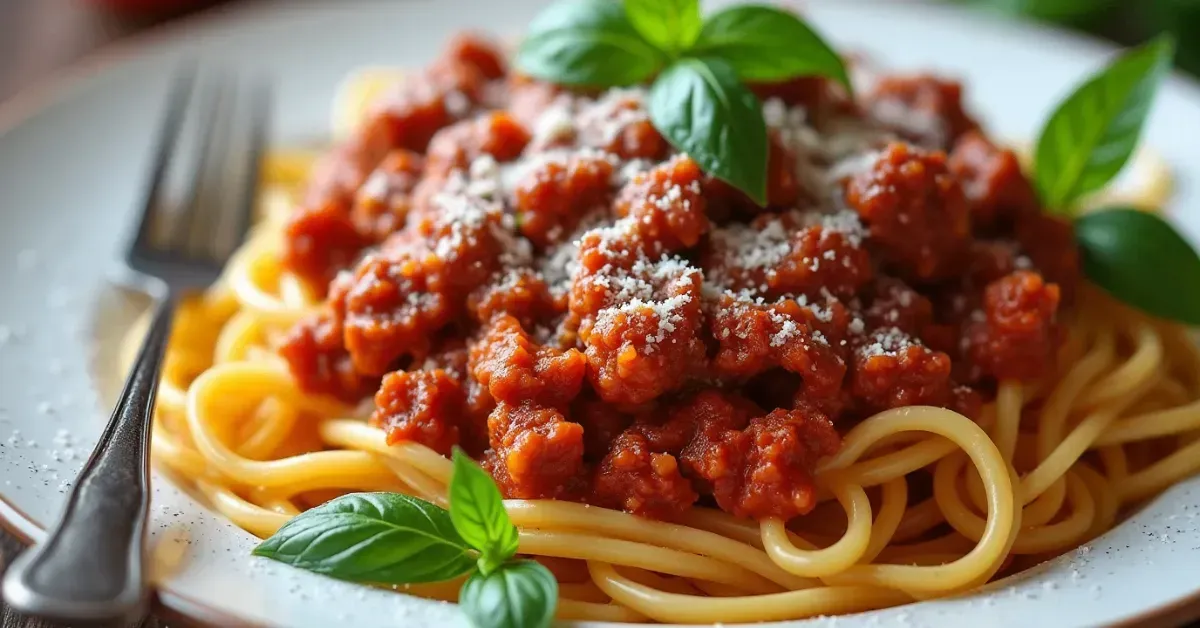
(769, 44)
(671, 25)
(692, 103)
(389, 538)
(1138, 258)
(384, 538)
(1135, 256)
(518, 593)
(477, 511)
(1092, 133)
(587, 43)
(698, 101)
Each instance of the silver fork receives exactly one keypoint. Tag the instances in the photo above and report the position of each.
(90, 566)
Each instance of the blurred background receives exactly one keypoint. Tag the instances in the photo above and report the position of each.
(38, 36)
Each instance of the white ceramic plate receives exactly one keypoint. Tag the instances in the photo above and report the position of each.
(72, 160)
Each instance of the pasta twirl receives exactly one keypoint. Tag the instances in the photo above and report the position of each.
(917, 502)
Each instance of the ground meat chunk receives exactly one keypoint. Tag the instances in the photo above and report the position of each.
(603, 255)
(337, 176)
(319, 362)
(817, 94)
(754, 336)
(642, 349)
(318, 242)
(783, 186)
(409, 116)
(551, 199)
(775, 457)
(521, 293)
(478, 52)
(989, 260)
(451, 355)
(709, 411)
(659, 469)
(421, 278)
(894, 304)
(709, 416)
(890, 368)
(1050, 243)
(454, 148)
(420, 406)
(992, 182)
(915, 210)
(617, 123)
(640, 320)
(638, 140)
(383, 201)
(515, 369)
(393, 308)
(755, 467)
(529, 99)
(1017, 336)
(601, 422)
(536, 451)
(823, 257)
(666, 206)
(966, 401)
(922, 108)
(635, 478)
(790, 254)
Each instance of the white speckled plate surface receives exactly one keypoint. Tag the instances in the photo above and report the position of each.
(72, 159)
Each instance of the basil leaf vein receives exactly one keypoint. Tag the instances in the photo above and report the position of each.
(699, 104)
(672, 25)
(1140, 259)
(520, 594)
(1093, 132)
(384, 538)
(477, 510)
(587, 43)
(768, 44)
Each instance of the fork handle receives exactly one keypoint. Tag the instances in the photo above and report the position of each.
(90, 566)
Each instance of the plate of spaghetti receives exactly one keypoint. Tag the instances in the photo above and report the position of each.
(641, 312)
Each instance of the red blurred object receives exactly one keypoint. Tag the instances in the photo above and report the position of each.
(151, 6)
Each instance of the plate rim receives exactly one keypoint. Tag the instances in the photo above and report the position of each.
(59, 84)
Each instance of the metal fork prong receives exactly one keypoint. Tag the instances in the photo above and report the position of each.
(91, 565)
(168, 138)
(260, 119)
(188, 232)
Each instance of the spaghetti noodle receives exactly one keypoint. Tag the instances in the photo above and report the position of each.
(1046, 466)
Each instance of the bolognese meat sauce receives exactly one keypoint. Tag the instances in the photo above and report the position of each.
(534, 274)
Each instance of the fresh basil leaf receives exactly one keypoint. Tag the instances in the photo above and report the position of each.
(705, 111)
(672, 25)
(587, 43)
(477, 510)
(384, 538)
(768, 44)
(1140, 259)
(520, 594)
(1091, 135)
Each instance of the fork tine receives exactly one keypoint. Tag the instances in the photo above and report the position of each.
(260, 119)
(191, 229)
(168, 137)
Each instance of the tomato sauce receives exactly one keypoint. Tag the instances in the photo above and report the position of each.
(535, 275)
